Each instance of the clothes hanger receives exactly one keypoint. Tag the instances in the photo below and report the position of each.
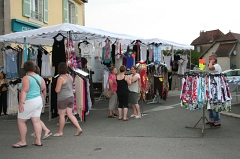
(59, 34)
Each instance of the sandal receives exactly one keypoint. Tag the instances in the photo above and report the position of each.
(35, 144)
(33, 135)
(57, 135)
(17, 145)
(120, 118)
(125, 119)
(46, 135)
(115, 114)
(111, 116)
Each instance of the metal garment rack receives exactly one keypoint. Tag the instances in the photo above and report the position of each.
(156, 99)
(142, 113)
(101, 97)
(203, 122)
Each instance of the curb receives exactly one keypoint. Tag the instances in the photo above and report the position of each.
(231, 114)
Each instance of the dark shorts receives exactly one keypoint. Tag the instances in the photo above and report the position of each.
(63, 104)
(133, 97)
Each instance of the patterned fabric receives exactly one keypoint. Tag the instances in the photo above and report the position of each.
(209, 92)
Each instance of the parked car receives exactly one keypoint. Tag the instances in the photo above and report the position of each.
(232, 74)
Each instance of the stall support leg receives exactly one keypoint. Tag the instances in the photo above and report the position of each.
(142, 114)
(203, 122)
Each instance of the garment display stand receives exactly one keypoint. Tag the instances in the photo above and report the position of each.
(156, 99)
(101, 97)
(142, 113)
(203, 122)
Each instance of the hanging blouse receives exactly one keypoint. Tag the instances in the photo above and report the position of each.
(86, 49)
(98, 49)
(107, 54)
(46, 68)
(11, 64)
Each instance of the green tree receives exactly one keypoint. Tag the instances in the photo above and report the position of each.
(194, 58)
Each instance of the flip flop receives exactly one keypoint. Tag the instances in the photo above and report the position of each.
(18, 146)
(36, 144)
(57, 135)
(46, 135)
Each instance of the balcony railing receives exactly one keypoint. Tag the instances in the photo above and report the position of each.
(37, 16)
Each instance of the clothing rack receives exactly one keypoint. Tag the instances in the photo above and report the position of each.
(102, 97)
(203, 117)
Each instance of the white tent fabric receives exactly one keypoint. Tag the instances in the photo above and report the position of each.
(167, 43)
(44, 36)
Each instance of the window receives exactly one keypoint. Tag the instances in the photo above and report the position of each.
(70, 12)
(36, 10)
(198, 48)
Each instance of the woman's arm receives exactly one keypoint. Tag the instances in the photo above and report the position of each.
(43, 88)
(59, 84)
(211, 65)
(23, 94)
(110, 82)
(134, 78)
(128, 80)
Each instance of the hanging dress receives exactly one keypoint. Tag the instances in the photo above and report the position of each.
(46, 68)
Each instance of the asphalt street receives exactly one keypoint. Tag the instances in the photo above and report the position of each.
(160, 134)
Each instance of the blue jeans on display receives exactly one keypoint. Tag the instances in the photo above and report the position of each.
(214, 116)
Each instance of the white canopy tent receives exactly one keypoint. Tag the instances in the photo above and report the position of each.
(44, 36)
(167, 44)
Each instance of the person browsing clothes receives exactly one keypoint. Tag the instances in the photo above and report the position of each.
(65, 100)
(214, 117)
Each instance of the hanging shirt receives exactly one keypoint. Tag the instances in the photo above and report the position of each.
(11, 64)
(157, 54)
(143, 53)
(86, 49)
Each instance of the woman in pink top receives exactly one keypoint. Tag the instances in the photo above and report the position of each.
(112, 87)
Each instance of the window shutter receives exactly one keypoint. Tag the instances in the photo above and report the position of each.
(26, 8)
(76, 14)
(45, 12)
(65, 11)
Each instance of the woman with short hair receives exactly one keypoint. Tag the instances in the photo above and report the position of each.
(122, 91)
(30, 105)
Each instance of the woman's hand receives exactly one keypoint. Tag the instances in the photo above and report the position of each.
(21, 107)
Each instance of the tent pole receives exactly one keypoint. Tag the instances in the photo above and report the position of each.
(25, 49)
(190, 59)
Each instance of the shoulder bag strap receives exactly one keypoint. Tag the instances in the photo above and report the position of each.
(36, 81)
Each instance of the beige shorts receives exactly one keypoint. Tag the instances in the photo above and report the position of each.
(32, 108)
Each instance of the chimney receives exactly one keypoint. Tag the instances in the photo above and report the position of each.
(201, 32)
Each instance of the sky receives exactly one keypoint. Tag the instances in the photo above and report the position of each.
(175, 20)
